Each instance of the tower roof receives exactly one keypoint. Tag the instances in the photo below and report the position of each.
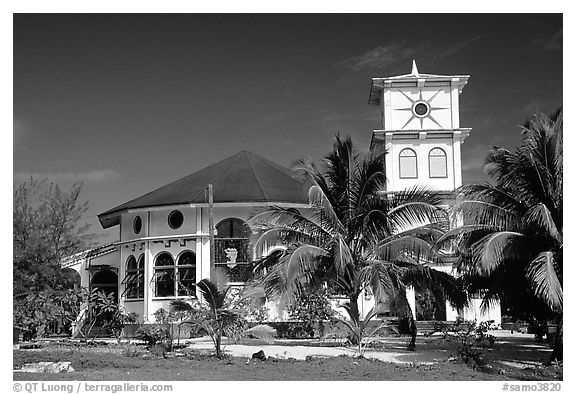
(414, 79)
(244, 177)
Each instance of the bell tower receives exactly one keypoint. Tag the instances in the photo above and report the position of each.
(420, 129)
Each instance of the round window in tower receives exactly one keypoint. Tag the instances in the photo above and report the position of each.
(137, 225)
(421, 109)
(175, 219)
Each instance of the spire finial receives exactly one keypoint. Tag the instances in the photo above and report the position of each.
(414, 68)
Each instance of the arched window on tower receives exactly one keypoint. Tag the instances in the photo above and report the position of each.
(408, 164)
(437, 163)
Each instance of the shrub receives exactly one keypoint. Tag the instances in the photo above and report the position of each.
(471, 339)
(131, 352)
(35, 314)
(311, 310)
(155, 334)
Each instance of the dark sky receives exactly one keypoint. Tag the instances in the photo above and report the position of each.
(128, 103)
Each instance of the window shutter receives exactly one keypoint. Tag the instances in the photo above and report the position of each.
(408, 166)
(437, 163)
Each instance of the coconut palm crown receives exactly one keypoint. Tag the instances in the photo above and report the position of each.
(354, 237)
(511, 230)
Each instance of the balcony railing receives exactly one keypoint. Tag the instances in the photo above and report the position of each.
(233, 256)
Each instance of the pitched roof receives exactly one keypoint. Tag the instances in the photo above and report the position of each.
(244, 177)
(412, 80)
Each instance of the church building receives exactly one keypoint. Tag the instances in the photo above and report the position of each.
(164, 246)
(420, 131)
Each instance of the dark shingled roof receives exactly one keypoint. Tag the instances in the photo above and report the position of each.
(244, 177)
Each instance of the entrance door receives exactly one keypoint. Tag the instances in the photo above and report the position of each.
(106, 281)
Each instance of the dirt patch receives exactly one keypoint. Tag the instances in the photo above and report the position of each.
(194, 366)
(510, 359)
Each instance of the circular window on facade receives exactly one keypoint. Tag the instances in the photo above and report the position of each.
(137, 225)
(175, 219)
(421, 109)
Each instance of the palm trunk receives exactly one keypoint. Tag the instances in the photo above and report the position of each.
(411, 346)
(558, 349)
(217, 344)
(356, 337)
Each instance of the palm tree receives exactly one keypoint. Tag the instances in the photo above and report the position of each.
(213, 316)
(218, 313)
(354, 238)
(511, 230)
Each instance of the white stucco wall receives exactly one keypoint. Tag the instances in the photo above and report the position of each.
(396, 101)
(157, 236)
(475, 312)
(422, 148)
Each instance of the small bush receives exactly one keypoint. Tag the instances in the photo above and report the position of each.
(158, 350)
(471, 340)
(311, 310)
(154, 334)
(131, 352)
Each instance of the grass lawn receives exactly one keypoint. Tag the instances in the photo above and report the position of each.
(509, 360)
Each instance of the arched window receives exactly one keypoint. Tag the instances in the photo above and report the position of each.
(437, 163)
(106, 281)
(232, 247)
(232, 228)
(408, 164)
(134, 279)
(186, 273)
(141, 276)
(164, 269)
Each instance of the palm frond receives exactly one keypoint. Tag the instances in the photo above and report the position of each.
(429, 233)
(542, 272)
(221, 279)
(262, 331)
(466, 229)
(487, 213)
(269, 260)
(342, 254)
(463, 236)
(442, 285)
(318, 198)
(310, 170)
(351, 309)
(418, 193)
(252, 291)
(371, 178)
(412, 214)
(203, 324)
(540, 216)
(372, 313)
(493, 249)
(382, 278)
(414, 247)
(179, 305)
(278, 237)
(291, 219)
(303, 260)
(211, 295)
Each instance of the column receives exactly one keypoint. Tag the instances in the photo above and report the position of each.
(148, 272)
(457, 158)
(411, 297)
(390, 159)
(451, 313)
